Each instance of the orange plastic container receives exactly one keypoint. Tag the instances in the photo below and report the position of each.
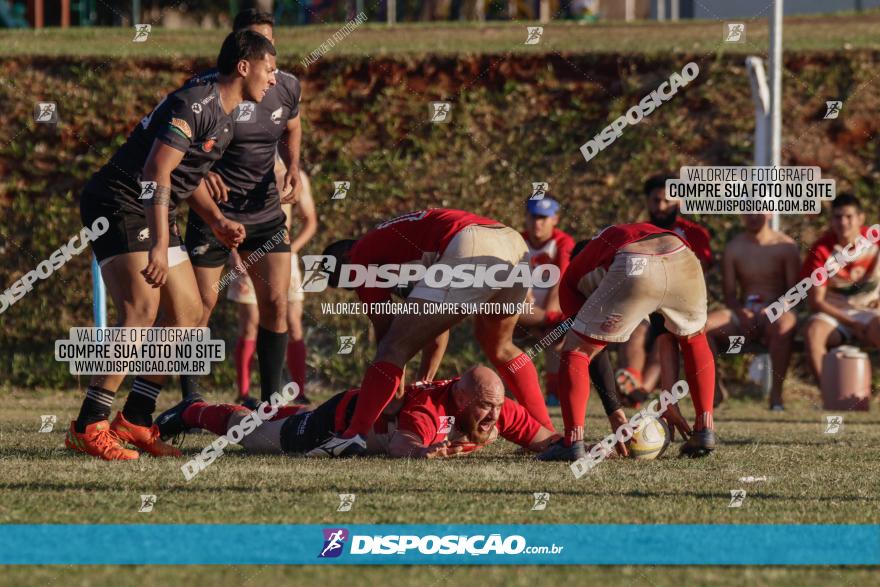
(846, 379)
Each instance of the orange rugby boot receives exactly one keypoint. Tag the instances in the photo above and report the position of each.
(146, 439)
(98, 441)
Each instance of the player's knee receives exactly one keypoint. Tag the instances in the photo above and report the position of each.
(393, 352)
(139, 313)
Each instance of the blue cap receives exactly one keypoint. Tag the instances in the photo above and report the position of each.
(543, 207)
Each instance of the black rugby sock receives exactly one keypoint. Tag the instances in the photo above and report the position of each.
(271, 354)
(141, 402)
(95, 407)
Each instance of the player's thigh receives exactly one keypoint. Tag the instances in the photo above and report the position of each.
(180, 302)
(620, 302)
(208, 282)
(270, 275)
(136, 301)
(409, 333)
(821, 333)
(685, 303)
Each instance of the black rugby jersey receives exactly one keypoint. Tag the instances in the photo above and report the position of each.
(247, 166)
(190, 119)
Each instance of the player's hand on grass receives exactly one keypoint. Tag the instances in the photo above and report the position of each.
(617, 418)
(218, 190)
(287, 189)
(446, 449)
(156, 272)
(228, 232)
(675, 421)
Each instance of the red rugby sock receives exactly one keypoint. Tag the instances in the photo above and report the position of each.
(296, 363)
(210, 417)
(244, 352)
(378, 387)
(574, 393)
(699, 371)
(521, 378)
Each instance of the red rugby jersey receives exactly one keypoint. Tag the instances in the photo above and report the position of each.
(407, 239)
(427, 407)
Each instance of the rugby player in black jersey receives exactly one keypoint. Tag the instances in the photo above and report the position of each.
(142, 262)
(243, 184)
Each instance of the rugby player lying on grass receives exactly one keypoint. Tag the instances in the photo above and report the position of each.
(437, 237)
(434, 419)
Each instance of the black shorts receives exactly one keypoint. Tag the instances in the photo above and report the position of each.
(303, 432)
(127, 231)
(206, 251)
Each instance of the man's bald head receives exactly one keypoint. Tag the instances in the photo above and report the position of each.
(479, 397)
(482, 383)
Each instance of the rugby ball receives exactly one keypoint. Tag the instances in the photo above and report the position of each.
(650, 439)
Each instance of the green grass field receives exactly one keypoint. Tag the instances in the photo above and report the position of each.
(812, 477)
(817, 33)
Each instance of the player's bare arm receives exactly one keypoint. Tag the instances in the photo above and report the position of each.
(163, 159)
(288, 149)
(227, 231)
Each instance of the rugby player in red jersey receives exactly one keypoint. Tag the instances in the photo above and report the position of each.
(547, 245)
(640, 375)
(623, 274)
(142, 261)
(446, 240)
(433, 419)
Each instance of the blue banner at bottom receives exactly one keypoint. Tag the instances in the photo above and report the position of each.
(433, 544)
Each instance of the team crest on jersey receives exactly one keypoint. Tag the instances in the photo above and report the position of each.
(276, 116)
(196, 108)
(209, 144)
(181, 125)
